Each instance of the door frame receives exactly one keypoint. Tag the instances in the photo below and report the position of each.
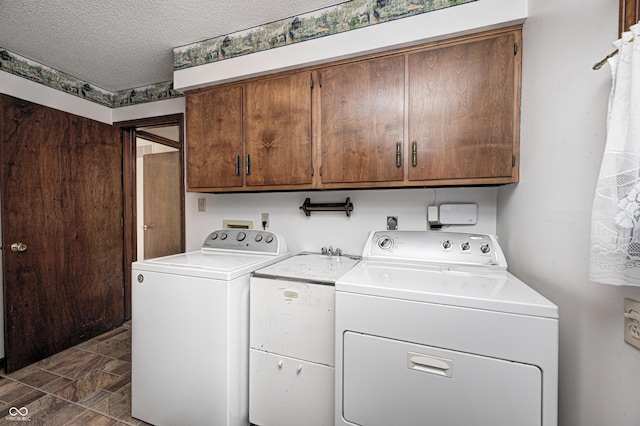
(129, 134)
(629, 14)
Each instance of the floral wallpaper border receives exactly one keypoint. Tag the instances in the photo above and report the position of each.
(350, 15)
(346, 16)
(34, 71)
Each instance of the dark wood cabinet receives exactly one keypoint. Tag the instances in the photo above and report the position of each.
(277, 131)
(361, 124)
(250, 135)
(214, 138)
(442, 114)
(462, 111)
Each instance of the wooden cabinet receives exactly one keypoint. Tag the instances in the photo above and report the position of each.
(441, 114)
(277, 131)
(462, 110)
(250, 135)
(214, 138)
(361, 124)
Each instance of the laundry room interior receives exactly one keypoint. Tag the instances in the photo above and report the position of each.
(541, 216)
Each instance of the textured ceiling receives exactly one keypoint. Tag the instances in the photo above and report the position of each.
(125, 44)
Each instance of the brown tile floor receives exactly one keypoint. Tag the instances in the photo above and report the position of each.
(89, 384)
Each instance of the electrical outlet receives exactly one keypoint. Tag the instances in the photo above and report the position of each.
(265, 220)
(632, 322)
(392, 223)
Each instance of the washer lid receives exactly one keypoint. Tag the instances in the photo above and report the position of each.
(219, 265)
(312, 268)
(488, 290)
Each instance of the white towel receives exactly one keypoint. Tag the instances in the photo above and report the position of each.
(615, 220)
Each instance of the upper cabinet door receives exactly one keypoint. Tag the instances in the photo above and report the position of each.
(278, 131)
(362, 121)
(214, 138)
(463, 110)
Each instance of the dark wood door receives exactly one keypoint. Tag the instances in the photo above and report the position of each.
(62, 199)
(214, 138)
(362, 121)
(277, 131)
(162, 207)
(461, 110)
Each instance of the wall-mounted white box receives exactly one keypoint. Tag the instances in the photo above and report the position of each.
(458, 214)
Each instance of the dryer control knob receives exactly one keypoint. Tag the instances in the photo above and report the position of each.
(223, 236)
(269, 238)
(465, 246)
(485, 248)
(241, 236)
(385, 243)
(446, 244)
(258, 238)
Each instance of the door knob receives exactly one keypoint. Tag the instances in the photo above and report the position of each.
(145, 227)
(18, 247)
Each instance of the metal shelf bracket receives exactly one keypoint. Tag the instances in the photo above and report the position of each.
(307, 207)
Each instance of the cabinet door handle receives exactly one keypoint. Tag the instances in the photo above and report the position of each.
(399, 154)
(248, 164)
(414, 153)
(237, 165)
(430, 364)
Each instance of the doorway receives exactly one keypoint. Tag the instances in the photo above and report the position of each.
(153, 182)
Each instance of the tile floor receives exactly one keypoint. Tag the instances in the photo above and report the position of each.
(88, 384)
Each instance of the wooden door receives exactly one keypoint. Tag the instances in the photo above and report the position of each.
(214, 138)
(278, 131)
(362, 121)
(462, 111)
(62, 198)
(162, 207)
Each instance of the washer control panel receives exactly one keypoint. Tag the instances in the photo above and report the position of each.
(248, 240)
(448, 248)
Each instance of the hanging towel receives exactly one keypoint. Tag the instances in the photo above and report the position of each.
(615, 219)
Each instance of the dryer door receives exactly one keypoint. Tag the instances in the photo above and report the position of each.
(390, 382)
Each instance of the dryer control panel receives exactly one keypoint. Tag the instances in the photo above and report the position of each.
(441, 248)
(245, 240)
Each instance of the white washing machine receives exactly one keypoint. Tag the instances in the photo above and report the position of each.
(292, 335)
(190, 330)
(431, 329)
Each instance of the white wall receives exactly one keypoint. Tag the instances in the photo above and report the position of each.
(544, 221)
(322, 229)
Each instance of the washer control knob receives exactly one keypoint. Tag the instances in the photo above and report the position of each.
(269, 239)
(223, 236)
(485, 248)
(241, 236)
(465, 246)
(214, 236)
(446, 244)
(385, 243)
(258, 238)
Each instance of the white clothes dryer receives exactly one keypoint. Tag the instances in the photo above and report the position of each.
(431, 329)
(190, 330)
